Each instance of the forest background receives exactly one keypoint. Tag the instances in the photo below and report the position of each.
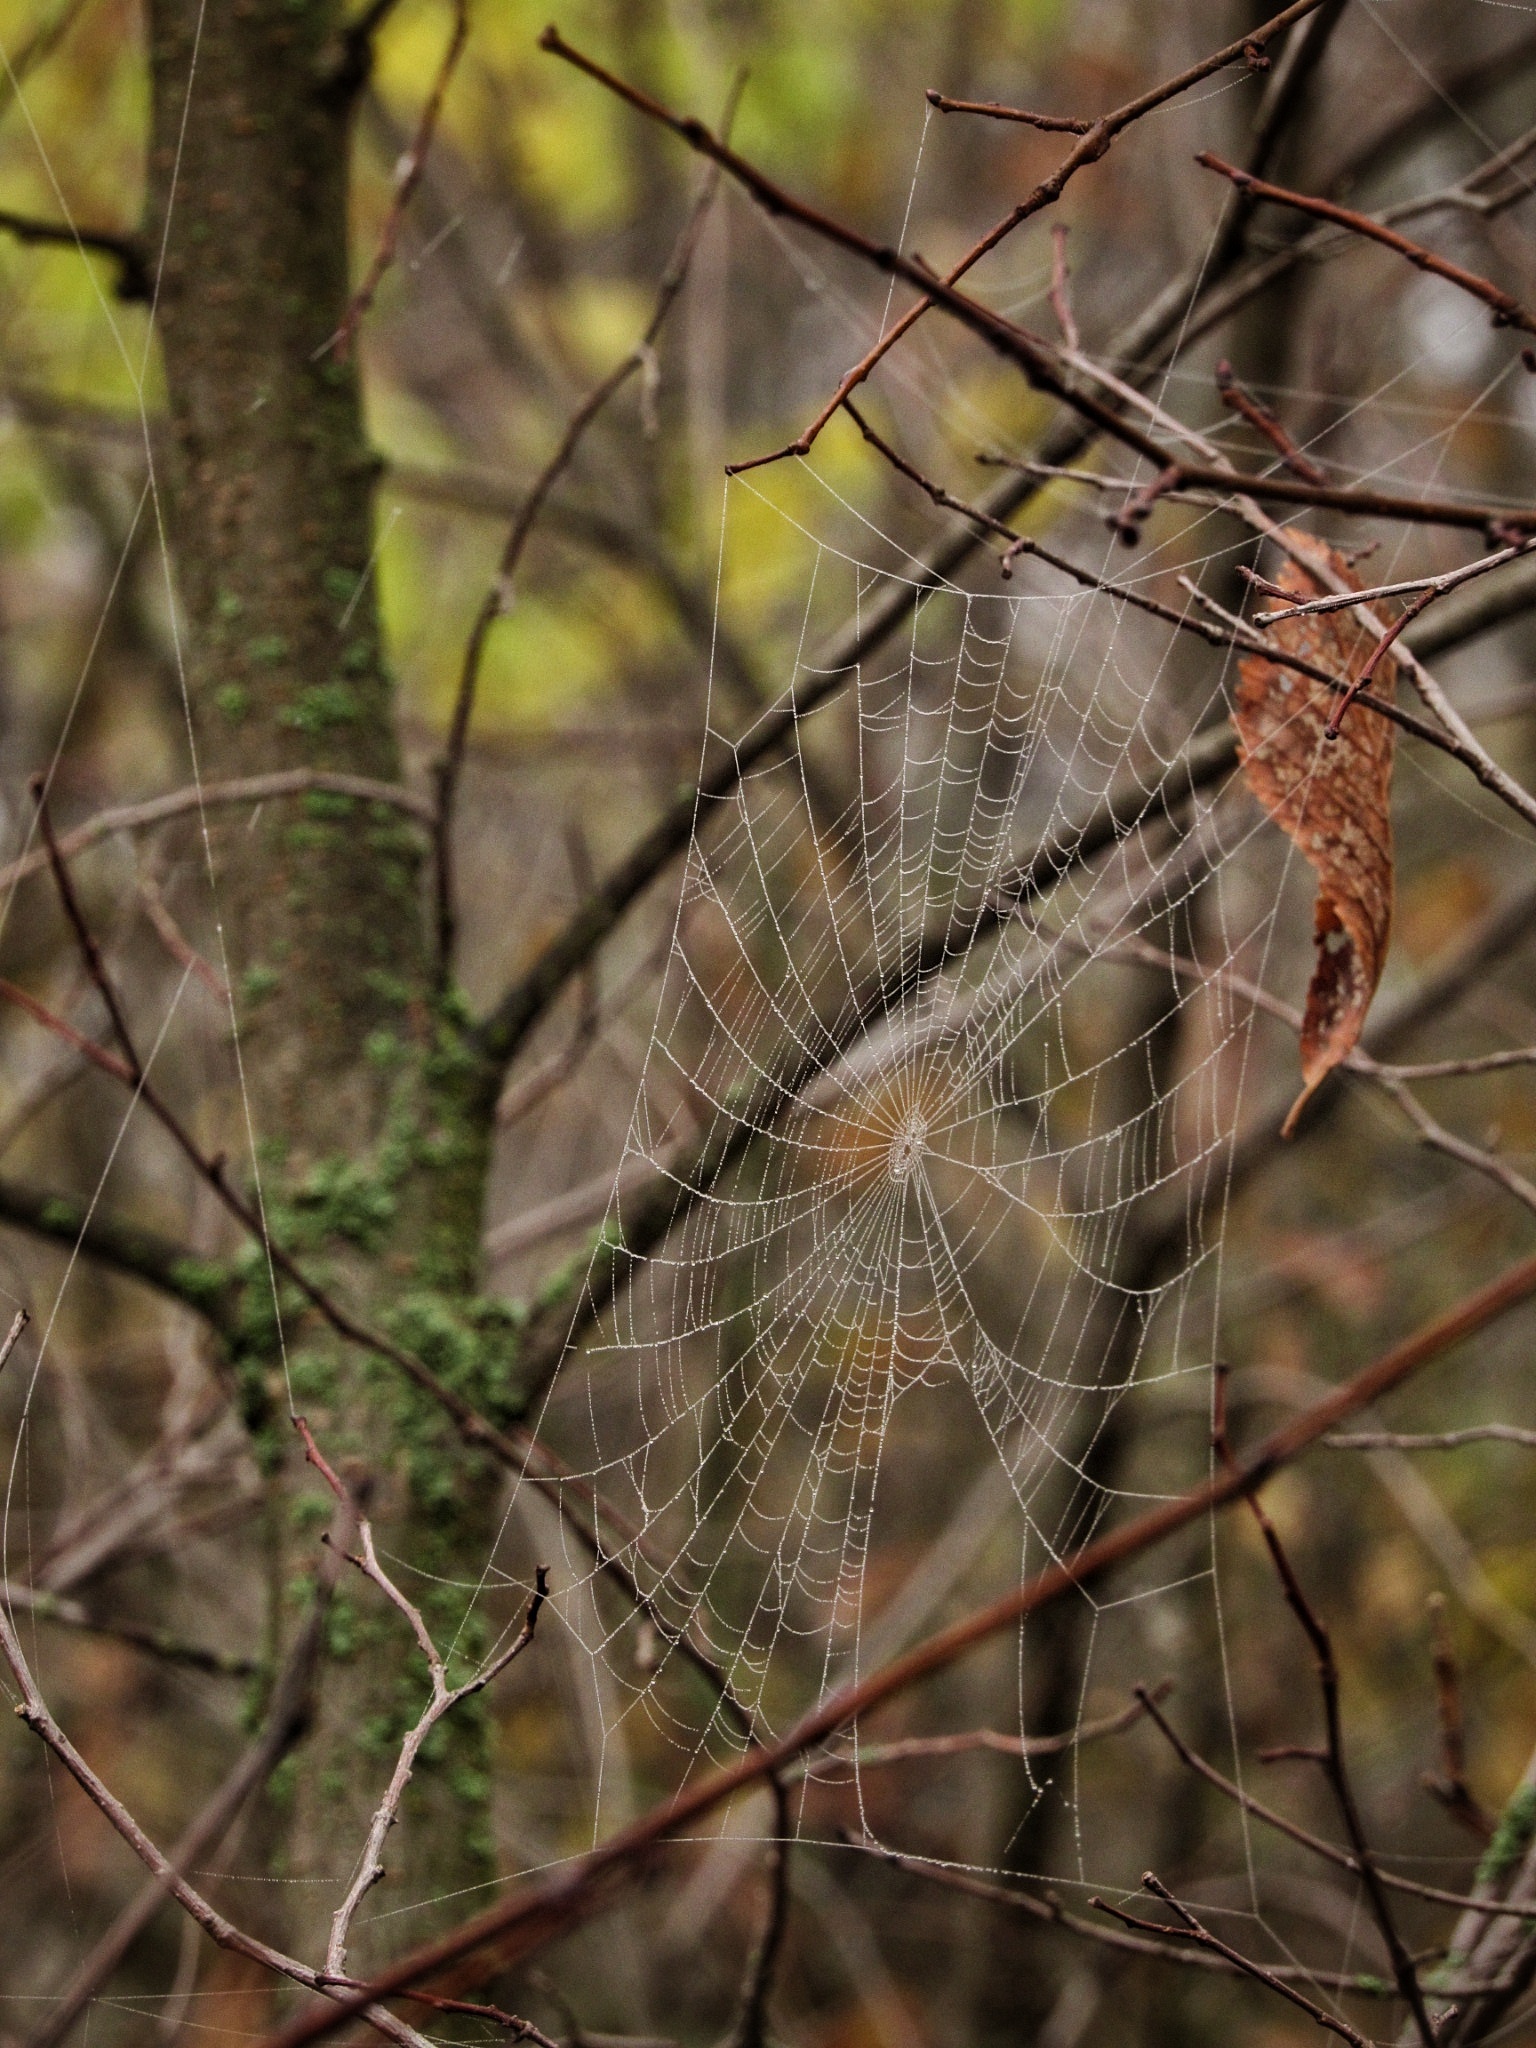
(394, 549)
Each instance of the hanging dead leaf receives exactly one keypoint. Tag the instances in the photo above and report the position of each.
(1331, 796)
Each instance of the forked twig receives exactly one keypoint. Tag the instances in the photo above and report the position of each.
(444, 1698)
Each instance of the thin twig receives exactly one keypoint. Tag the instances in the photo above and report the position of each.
(1259, 416)
(1337, 601)
(407, 177)
(498, 597)
(1193, 1930)
(1049, 124)
(1050, 1911)
(178, 803)
(1316, 1845)
(1331, 1757)
(1507, 310)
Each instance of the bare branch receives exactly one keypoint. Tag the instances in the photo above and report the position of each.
(180, 803)
(1507, 311)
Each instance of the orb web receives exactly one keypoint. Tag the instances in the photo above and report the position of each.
(897, 962)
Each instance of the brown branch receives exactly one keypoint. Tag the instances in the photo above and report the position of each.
(1331, 1757)
(1026, 351)
(537, 1912)
(1142, 341)
(1507, 311)
(407, 177)
(1060, 297)
(1193, 1930)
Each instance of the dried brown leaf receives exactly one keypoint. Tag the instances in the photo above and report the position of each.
(1333, 798)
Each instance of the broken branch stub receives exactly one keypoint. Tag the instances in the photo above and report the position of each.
(1332, 796)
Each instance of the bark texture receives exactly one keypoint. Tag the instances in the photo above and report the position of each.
(361, 1081)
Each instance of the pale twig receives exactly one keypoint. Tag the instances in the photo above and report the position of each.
(444, 1698)
(1342, 600)
(1435, 1440)
(12, 1336)
(179, 803)
(1195, 1931)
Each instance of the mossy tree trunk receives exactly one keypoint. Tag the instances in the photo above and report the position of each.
(369, 1112)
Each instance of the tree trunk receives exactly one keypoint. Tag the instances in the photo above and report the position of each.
(366, 1105)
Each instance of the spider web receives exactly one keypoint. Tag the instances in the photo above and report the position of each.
(930, 1270)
